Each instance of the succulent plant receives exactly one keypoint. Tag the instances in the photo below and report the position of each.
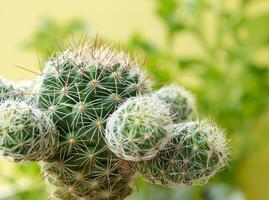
(26, 133)
(180, 101)
(196, 151)
(92, 121)
(84, 86)
(139, 128)
(6, 89)
(19, 91)
(80, 89)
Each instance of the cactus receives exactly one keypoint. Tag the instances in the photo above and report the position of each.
(6, 90)
(93, 173)
(139, 128)
(93, 122)
(26, 133)
(85, 86)
(195, 153)
(11, 91)
(80, 89)
(180, 101)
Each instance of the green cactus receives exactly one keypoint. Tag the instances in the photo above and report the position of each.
(180, 101)
(6, 90)
(20, 91)
(83, 87)
(26, 133)
(93, 122)
(80, 89)
(194, 154)
(95, 172)
(139, 128)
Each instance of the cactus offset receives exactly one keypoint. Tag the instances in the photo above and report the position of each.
(20, 91)
(139, 128)
(26, 133)
(6, 90)
(180, 101)
(92, 122)
(194, 154)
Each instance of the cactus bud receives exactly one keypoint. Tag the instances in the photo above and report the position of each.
(196, 152)
(26, 134)
(180, 100)
(139, 128)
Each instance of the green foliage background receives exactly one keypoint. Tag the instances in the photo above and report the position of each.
(228, 71)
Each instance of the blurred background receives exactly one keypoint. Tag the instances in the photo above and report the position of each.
(219, 49)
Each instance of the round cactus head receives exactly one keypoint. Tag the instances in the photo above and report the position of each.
(83, 86)
(80, 88)
(26, 133)
(195, 153)
(139, 128)
(180, 101)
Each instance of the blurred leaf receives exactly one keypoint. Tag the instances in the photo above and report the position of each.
(185, 63)
(51, 36)
(222, 191)
(258, 30)
(167, 10)
(138, 42)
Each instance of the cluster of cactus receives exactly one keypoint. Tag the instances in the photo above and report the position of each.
(92, 121)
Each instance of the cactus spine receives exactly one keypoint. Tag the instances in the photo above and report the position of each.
(139, 128)
(180, 101)
(93, 122)
(196, 152)
(26, 133)
(6, 89)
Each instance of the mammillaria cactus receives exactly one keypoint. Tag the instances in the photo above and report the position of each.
(139, 128)
(19, 91)
(93, 122)
(180, 101)
(6, 89)
(9, 91)
(196, 152)
(26, 133)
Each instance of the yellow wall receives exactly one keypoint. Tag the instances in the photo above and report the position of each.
(114, 20)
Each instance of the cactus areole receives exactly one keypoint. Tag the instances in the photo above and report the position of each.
(93, 122)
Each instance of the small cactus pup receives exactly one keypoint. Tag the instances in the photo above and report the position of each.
(139, 128)
(180, 101)
(11, 91)
(26, 134)
(28, 90)
(8, 90)
(196, 152)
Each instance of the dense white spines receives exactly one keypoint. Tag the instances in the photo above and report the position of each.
(26, 133)
(195, 153)
(180, 101)
(139, 128)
